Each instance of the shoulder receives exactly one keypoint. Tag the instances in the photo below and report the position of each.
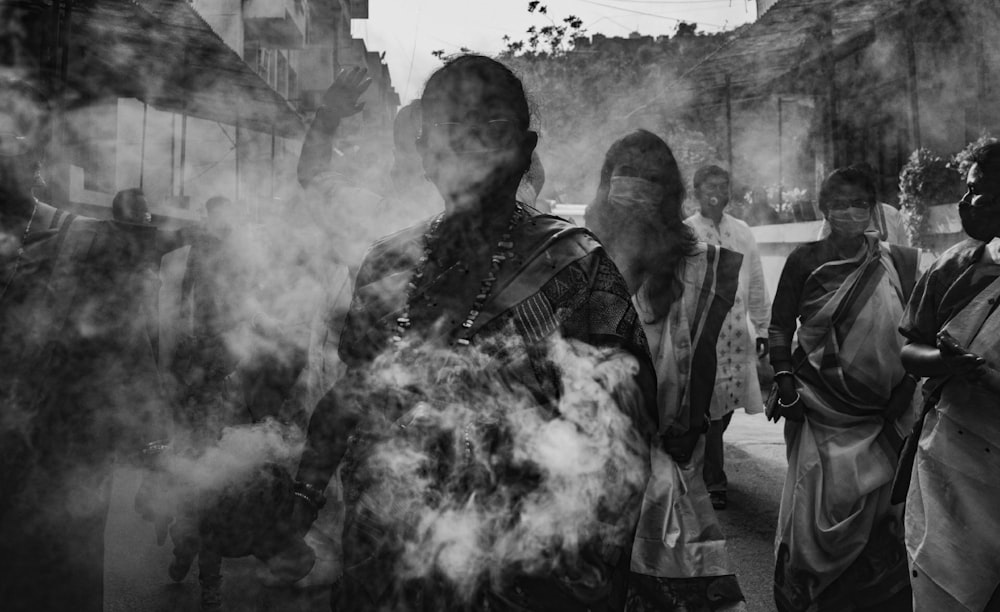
(543, 232)
(806, 250)
(805, 257)
(739, 224)
(393, 253)
(956, 259)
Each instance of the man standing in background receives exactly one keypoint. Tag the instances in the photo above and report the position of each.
(736, 383)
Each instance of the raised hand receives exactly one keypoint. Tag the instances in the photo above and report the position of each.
(341, 99)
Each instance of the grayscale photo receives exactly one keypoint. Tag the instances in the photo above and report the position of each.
(499, 306)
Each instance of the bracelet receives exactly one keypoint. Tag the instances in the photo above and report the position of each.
(795, 401)
(310, 493)
(307, 499)
(784, 373)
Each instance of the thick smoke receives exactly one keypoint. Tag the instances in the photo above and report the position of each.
(475, 478)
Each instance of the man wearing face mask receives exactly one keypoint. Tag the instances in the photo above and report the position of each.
(738, 351)
(60, 369)
(952, 328)
(846, 399)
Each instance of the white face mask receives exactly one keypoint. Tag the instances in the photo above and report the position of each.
(849, 222)
(630, 191)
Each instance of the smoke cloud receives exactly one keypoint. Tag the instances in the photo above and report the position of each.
(475, 478)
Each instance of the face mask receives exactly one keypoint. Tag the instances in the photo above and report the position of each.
(849, 222)
(980, 222)
(628, 191)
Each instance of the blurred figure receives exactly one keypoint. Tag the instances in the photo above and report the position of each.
(339, 215)
(847, 401)
(887, 222)
(744, 338)
(486, 287)
(759, 210)
(679, 558)
(952, 331)
(214, 292)
(69, 403)
(383, 204)
(139, 238)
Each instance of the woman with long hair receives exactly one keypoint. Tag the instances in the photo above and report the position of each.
(682, 290)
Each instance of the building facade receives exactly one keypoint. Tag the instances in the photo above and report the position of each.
(222, 112)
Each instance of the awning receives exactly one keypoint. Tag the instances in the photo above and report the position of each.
(163, 53)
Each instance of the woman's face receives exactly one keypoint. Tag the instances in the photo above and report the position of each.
(849, 210)
(471, 143)
(636, 191)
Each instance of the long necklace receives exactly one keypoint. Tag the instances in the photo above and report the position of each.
(20, 252)
(504, 251)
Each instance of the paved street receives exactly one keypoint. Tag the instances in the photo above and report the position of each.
(136, 568)
(755, 465)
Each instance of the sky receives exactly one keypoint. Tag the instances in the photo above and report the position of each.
(408, 31)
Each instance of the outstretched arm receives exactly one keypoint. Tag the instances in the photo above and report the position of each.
(339, 102)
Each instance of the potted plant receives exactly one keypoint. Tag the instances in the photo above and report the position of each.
(926, 180)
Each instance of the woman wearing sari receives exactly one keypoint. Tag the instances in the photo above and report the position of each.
(683, 290)
(952, 329)
(845, 397)
(457, 328)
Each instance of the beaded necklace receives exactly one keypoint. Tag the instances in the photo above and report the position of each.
(504, 251)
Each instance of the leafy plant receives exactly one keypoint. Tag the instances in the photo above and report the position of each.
(926, 180)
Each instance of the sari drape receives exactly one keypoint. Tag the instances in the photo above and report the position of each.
(834, 542)
(560, 283)
(952, 523)
(679, 537)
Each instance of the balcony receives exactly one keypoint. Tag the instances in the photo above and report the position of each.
(276, 24)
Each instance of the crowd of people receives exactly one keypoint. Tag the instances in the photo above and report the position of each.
(500, 409)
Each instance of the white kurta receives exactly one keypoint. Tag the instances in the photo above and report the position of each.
(736, 374)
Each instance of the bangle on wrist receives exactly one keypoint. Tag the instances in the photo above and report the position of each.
(310, 493)
(784, 373)
(795, 401)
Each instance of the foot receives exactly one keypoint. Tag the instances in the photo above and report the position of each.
(718, 499)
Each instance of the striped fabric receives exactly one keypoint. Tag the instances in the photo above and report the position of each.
(841, 459)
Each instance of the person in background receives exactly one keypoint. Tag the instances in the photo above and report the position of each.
(743, 339)
(887, 222)
(214, 304)
(139, 237)
(846, 400)
(66, 386)
(679, 558)
(952, 330)
(392, 202)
